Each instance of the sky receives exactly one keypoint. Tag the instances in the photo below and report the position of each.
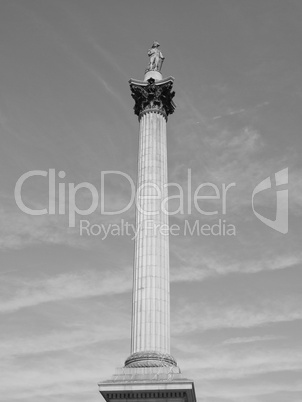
(65, 104)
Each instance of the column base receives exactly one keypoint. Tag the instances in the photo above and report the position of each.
(150, 359)
(151, 384)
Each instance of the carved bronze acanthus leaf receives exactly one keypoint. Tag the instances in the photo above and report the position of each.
(153, 96)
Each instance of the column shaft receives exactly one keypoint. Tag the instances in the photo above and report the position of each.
(151, 300)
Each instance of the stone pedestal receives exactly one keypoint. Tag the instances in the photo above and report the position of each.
(148, 384)
(153, 74)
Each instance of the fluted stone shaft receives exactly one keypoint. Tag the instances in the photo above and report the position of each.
(151, 300)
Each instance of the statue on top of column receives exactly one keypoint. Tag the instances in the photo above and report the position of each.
(156, 58)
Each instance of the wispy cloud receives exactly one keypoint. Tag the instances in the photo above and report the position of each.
(232, 112)
(199, 264)
(66, 340)
(71, 50)
(20, 230)
(203, 316)
(229, 113)
(251, 339)
(236, 364)
(60, 377)
(89, 283)
(32, 292)
(253, 391)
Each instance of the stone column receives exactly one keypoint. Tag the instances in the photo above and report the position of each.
(150, 332)
(150, 373)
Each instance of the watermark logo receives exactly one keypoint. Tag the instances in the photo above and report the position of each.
(151, 228)
(280, 224)
(150, 200)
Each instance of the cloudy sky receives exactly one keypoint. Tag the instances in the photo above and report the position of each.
(65, 104)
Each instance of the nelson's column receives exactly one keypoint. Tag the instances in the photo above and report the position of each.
(150, 373)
